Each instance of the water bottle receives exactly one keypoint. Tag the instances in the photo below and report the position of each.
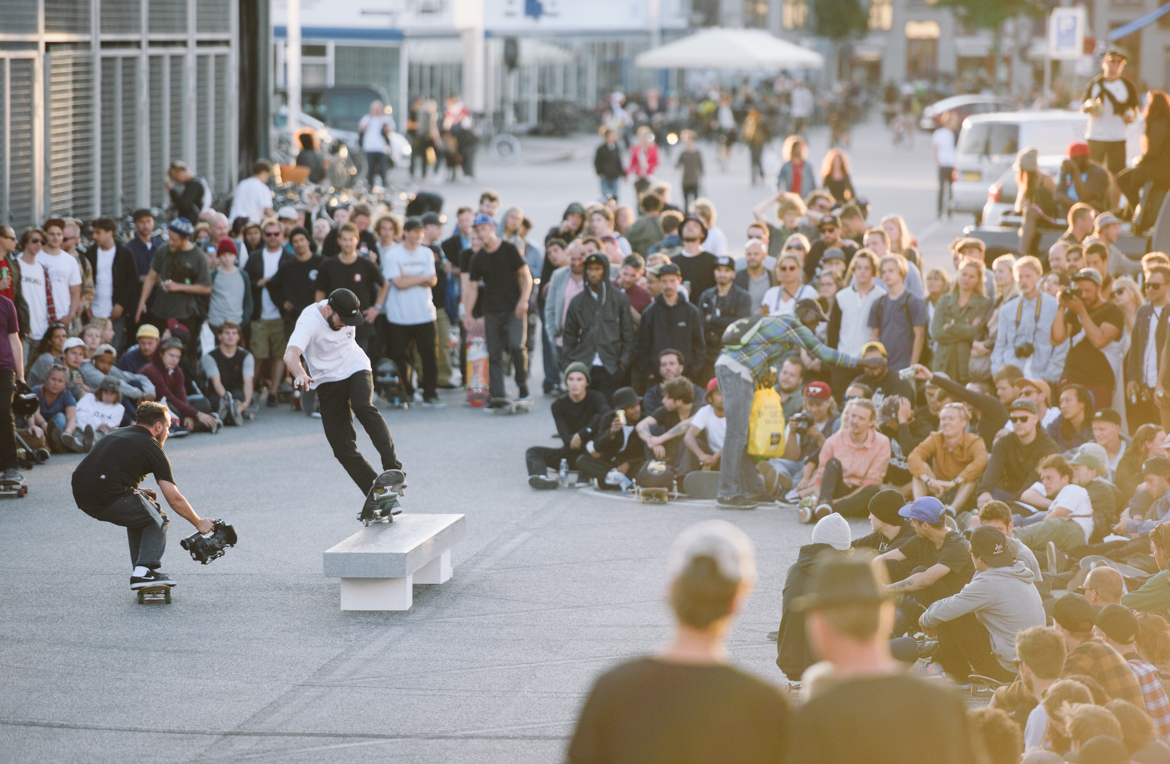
(563, 473)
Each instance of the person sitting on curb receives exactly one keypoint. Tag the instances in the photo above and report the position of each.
(670, 366)
(618, 453)
(1012, 466)
(57, 415)
(949, 463)
(1118, 627)
(853, 462)
(573, 414)
(170, 385)
(890, 529)
(710, 425)
(101, 412)
(231, 375)
(1068, 522)
(999, 516)
(976, 627)
(1041, 653)
(138, 356)
(662, 430)
(133, 387)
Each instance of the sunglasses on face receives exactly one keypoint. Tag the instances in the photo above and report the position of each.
(1152, 285)
(271, 233)
(36, 241)
(789, 268)
(794, 248)
(1016, 419)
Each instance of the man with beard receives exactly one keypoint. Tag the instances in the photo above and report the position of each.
(697, 268)
(670, 322)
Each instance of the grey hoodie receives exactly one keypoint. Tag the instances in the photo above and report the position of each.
(133, 385)
(1005, 602)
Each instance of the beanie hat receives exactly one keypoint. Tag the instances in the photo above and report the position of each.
(226, 245)
(833, 530)
(577, 366)
(885, 505)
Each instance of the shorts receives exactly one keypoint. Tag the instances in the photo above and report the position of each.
(268, 339)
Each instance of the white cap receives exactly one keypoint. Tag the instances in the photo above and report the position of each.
(73, 342)
(1096, 449)
(287, 213)
(834, 531)
(728, 546)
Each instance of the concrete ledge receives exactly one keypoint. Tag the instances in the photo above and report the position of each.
(394, 550)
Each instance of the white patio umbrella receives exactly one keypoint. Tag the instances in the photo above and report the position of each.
(722, 48)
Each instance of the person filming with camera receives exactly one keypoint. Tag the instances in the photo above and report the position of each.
(1095, 327)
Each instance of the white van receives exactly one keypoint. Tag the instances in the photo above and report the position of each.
(988, 144)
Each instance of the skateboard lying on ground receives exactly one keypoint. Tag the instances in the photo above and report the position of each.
(505, 406)
(382, 501)
(652, 495)
(17, 488)
(984, 685)
(1093, 560)
(701, 484)
(154, 595)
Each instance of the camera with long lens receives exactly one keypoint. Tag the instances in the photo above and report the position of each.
(1025, 351)
(801, 421)
(212, 546)
(1070, 293)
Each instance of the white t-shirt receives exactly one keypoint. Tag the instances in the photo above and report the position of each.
(91, 411)
(944, 140)
(716, 242)
(1076, 499)
(63, 272)
(715, 426)
(372, 138)
(103, 284)
(1108, 126)
(268, 309)
(251, 199)
(332, 355)
(778, 302)
(1035, 727)
(413, 305)
(32, 284)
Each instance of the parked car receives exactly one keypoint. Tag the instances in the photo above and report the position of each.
(962, 106)
(988, 144)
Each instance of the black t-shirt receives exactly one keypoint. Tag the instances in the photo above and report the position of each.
(361, 277)
(366, 240)
(649, 711)
(954, 553)
(296, 282)
(231, 370)
(116, 465)
(816, 250)
(698, 271)
(439, 290)
(893, 719)
(1086, 365)
(666, 418)
(497, 271)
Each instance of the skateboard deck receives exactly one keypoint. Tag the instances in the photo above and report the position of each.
(984, 685)
(154, 595)
(701, 484)
(1090, 561)
(382, 500)
(506, 406)
(17, 488)
(477, 371)
(653, 495)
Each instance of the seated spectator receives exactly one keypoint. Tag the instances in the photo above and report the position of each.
(139, 355)
(618, 453)
(949, 463)
(998, 515)
(1082, 180)
(897, 421)
(1138, 730)
(170, 385)
(805, 437)
(830, 537)
(670, 366)
(71, 359)
(231, 375)
(1041, 654)
(987, 412)
(1106, 427)
(1118, 628)
(1153, 641)
(1037, 391)
(101, 412)
(977, 626)
(662, 430)
(1068, 521)
(1154, 595)
(134, 388)
(704, 709)
(573, 414)
(1095, 729)
(1000, 738)
(852, 465)
(48, 352)
(890, 529)
(1035, 200)
(57, 415)
(883, 382)
(1012, 466)
(1074, 426)
(790, 383)
(1090, 656)
(704, 438)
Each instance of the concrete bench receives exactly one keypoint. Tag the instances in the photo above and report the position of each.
(379, 564)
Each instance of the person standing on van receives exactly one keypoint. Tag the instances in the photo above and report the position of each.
(1111, 103)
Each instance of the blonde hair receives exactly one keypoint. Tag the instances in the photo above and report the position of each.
(797, 237)
(1029, 261)
(392, 219)
(704, 209)
(903, 266)
(940, 274)
(790, 142)
(979, 287)
(866, 255)
(786, 256)
(1014, 289)
(903, 243)
(790, 202)
(827, 162)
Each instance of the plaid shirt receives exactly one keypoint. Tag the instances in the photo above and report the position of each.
(776, 338)
(1157, 704)
(1100, 661)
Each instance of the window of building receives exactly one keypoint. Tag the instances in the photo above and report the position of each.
(794, 14)
(755, 14)
(881, 14)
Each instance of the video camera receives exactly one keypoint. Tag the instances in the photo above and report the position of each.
(1070, 293)
(212, 546)
(801, 421)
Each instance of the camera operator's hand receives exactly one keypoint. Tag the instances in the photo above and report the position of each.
(1075, 304)
(921, 373)
(204, 526)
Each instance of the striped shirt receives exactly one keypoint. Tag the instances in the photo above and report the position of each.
(1157, 704)
(774, 340)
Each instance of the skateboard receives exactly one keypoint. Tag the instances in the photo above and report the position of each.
(701, 484)
(1094, 560)
(983, 686)
(506, 406)
(653, 495)
(477, 371)
(17, 488)
(154, 595)
(382, 501)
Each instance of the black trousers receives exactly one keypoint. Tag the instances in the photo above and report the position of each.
(604, 382)
(7, 425)
(1108, 153)
(540, 458)
(834, 486)
(592, 467)
(944, 189)
(339, 402)
(964, 648)
(398, 338)
(505, 337)
(148, 540)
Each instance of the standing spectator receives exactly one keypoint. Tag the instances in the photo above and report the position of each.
(432, 234)
(1095, 328)
(359, 275)
(755, 279)
(506, 286)
(11, 373)
(457, 121)
(367, 240)
(670, 322)
(143, 243)
(294, 285)
(253, 197)
(691, 162)
(599, 330)
(190, 195)
(268, 337)
(1145, 359)
(1111, 102)
(695, 265)
(790, 209)
(830, 238)
(721, 306)
(958, 320)
(311, 158)
(1024, 332)
(116, 285)
(179, 279)
(231, 290)
(849, 330)
(795, 174)
(409, 268)
(1035, 200)
(11, 286)
(607, 163)
(231, 375)
(898, 320)
(62, 274)
(601, 225)
(628, 280)
(646, 231)
(643, 160)
(567, 282)
(789, 290)
(835, 176)
(376, 128)
(1118, 627)
(71, 237)
(1082, 180)
(687, 704)
(943, 146)
(716, 241)
(1154, 163)
(852, 464)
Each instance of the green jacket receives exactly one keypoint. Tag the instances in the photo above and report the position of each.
(1153, 597)
(953, 354)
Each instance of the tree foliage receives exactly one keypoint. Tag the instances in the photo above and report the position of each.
(989, 14)
(842, 19)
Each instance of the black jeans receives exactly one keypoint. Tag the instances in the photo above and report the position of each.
(339, 402)
(964, 648)
(540, 458)
(604, 382)
(7, 425)
(944, 189)
(375, 168)
(1108, 153)
(505, 336)
(398, 338)
(833, 487)
(592, 467)
(690, 193)
(148, 540)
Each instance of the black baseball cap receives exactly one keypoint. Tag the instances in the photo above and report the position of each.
(1074, 613)
(412, 224)
(723, 261)
(831, 218)
(991, 546)
(1107, 415)
(599, 259)
(1156, 465)
(669, 269)
(432, 218)
(347, 307)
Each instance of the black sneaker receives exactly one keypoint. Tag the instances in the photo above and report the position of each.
(543, 483)
(736, 502)
(272, 401)
(152, 578)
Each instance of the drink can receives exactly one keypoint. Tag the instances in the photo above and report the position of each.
(907, 373)
(621, 415)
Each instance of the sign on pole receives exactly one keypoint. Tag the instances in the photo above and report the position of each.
(1066, 33)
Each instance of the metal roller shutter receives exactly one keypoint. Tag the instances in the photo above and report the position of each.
(69, 153)
(121, 16)
(203, 115)
(129, 135)
(167, 16)
(213, 16)
(219, 172)
(67, 16)
(21, 185)
(109, 144)
(157, 131)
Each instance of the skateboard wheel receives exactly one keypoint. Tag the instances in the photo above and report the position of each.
(23, 491)
(168, 596)
(141, 598)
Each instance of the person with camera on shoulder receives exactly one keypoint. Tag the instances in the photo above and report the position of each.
(1025, 328)
(807, 431)
(1095, 328)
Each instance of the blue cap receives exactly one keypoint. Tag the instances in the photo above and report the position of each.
(928, 510)
(482, 219)
(183, 227)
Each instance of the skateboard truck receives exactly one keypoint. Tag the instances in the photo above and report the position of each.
(212, 546)
(383, 500)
